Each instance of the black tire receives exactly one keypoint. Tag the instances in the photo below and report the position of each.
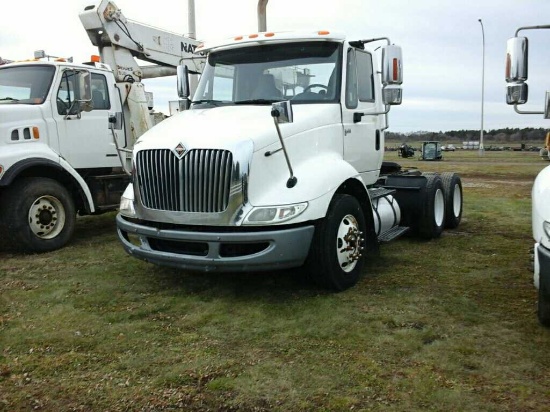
(543, 307)
(344, 227)
(38, 214)
(431, 221)
(452, 186)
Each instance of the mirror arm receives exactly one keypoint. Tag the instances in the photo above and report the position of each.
(292, 180)
(532, 28)
(524, 112)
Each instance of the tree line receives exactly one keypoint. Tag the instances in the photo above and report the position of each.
(528, 134)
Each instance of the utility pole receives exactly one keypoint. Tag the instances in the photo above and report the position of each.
(481, 148)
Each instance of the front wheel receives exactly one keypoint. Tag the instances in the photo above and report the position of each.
(336, 256)
(543, 309)
(38, 214)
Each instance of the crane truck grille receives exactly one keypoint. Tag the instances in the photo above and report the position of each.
(198, 182)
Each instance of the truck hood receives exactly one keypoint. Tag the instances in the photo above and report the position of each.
(225, 127)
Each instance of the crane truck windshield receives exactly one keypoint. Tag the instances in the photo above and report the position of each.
(25, 84)
(304, 72)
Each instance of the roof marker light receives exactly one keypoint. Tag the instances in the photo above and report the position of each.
(95, 58)
(253, 36)
(269, 34)
(323, 32)
(239, 38)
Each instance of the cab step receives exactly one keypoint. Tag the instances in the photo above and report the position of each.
(393, 233)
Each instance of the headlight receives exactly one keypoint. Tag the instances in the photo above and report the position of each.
(274, 214)
(127, 202)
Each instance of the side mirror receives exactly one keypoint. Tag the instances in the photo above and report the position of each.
(517, 50)
(84, 85)
(182, 76)
(547, 107)
(282, 112)
(392, 95)
(392, 65)
(517, 93)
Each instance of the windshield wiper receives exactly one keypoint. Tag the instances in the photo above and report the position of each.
(209, 101)
(10, 99)
(257, 101)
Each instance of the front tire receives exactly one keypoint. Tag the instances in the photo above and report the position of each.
(336, 257)
(38, 214)
(543, 309)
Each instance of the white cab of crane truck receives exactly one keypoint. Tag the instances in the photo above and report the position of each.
(279, 163)
(67, 130)
(517, 54)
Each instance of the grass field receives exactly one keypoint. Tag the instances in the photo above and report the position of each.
(446, 325)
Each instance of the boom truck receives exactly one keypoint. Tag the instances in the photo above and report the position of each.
(67, 129)
(278, 163)
(517, 54)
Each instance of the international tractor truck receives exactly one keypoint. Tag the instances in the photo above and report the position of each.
(517, 94)
(67, 130)
(279, 163)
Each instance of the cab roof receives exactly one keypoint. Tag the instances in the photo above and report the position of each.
(255, 39)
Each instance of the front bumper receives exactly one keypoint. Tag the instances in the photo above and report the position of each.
(236, 251)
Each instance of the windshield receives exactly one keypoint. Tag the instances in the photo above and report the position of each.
(25, 84)
(304, 72)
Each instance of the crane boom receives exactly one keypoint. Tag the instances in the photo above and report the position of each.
(120, 41)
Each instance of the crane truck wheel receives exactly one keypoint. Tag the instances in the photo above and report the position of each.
(431, 220)
(336, 258)
(543, 309)
(39, 214)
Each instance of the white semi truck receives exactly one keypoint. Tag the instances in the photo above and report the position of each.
(67, 130)
(279, 163)
(517, 94)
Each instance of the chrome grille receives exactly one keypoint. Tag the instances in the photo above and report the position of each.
(198, 182)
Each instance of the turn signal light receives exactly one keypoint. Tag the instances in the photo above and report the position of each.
(35, 133)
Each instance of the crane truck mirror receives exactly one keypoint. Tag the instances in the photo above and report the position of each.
(182, 76)
(84, 85)
(517, 51)
(517, 93)
(392, 65)
(282, 112)
(547, 110)
(392, 95)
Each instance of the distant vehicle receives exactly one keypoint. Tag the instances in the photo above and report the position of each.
(448, 148)
(431, 151)
(405, 151)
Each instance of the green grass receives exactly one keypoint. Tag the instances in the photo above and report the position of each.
(448, 324)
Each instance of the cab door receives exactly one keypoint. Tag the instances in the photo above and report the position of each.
(85, 140)
(362, 134)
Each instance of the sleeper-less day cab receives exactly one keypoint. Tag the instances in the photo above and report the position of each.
(517, 94)
(278, 163)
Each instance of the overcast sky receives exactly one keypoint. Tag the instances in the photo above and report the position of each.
(441, 41)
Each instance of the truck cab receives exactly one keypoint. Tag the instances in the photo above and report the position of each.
(277, 163)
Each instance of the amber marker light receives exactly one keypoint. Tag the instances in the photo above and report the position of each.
(238, 38)
(95, 59)
(253, 36)
(323, 32)
(269, 34)
(35, 133)
(395, 69)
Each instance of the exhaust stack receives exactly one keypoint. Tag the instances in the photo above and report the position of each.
(262, 20)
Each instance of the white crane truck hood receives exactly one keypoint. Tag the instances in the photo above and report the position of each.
(224, 127)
